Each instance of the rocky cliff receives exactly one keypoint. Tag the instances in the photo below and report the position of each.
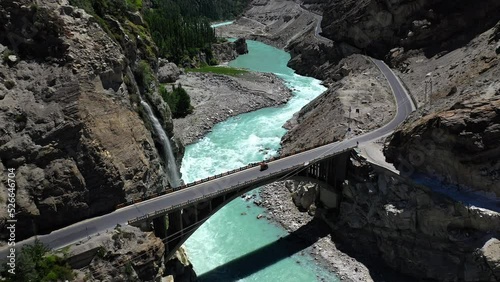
(74, 130)
(412, 229)
(127, 254)
(228, 51)
(436, 26)
(459, 146)
(357, 98)
(447, 57)
(72, 125)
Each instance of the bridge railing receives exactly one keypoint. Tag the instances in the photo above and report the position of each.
(229, 189)
(217, 176)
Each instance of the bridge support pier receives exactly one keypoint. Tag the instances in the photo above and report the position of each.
(174, 231)
(331, 171)
(160, 227)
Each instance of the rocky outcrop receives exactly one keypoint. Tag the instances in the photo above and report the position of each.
(69, 114)
(167, 72)
(228, 51)
(240, 46)
(384, 217)
(123, 254)
(224, 52)
(315, 59)
(304, 195)
(179, 268)
(491, 253)
(359, 101)
(378, 26)
(127, 254)
(459, 146)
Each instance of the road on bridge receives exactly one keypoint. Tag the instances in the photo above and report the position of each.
(82, 230)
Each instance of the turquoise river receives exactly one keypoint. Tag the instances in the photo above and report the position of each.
(234, 245)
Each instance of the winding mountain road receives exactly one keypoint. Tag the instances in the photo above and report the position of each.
(82, 230)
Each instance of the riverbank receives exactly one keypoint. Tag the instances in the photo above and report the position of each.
(216, 98)
(276, 199)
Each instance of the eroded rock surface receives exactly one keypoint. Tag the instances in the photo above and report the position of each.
(459, 146)
(413, 229)
(128, 254)
(69, 115)
(168, 72)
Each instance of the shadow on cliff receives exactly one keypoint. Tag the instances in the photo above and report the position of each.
(268, 255)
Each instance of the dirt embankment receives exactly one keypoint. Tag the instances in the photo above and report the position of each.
(361, 101)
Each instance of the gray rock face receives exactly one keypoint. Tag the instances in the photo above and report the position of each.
(459, 146)
(70, 122)
(413, 229)
(224, 52)
(377, 27)
(168, 73)
(128, 254)
(240, 46)
(491, 253)
(304, 195)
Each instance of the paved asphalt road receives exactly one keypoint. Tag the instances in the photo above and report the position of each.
(81, 230)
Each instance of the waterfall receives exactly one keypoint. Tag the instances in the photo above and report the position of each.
(173, 173)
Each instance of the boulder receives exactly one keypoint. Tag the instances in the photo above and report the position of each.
(241, 46)
(162, 62)
(168, 73)
(458, 145)
(377, 27)
(491, 254)
(12, 59)
(305, 195)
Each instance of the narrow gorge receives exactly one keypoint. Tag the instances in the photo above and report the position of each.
(108, 105)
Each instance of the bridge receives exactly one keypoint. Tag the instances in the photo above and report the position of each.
(188, 206)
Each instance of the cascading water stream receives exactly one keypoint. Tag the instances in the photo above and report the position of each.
(173, 173)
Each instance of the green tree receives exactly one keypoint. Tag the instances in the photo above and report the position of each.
(183, 102)
(179, 36)
(178, 101)
(35, 264)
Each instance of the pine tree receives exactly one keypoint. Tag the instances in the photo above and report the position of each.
(183, 102)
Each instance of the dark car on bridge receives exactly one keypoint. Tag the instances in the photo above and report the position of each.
(263, 166)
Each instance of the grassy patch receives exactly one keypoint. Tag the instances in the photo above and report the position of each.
(219, 70)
